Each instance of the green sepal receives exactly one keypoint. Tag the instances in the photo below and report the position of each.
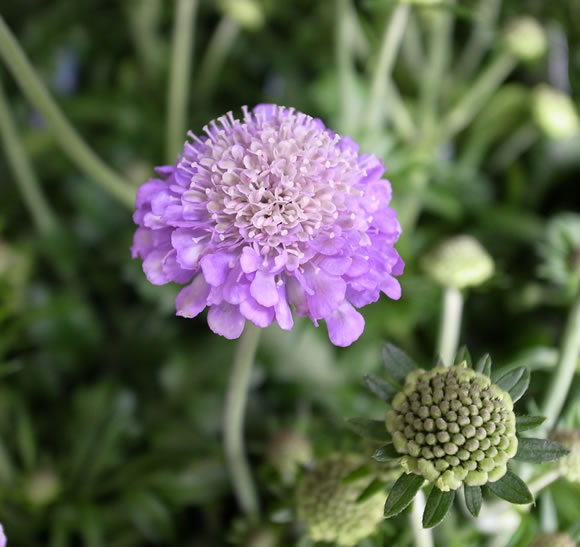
(523, 423)
(511, 488)
(515, 382)
(539, 450)
(357, 474)
(376, 485)
(437, 506)
(473, 499)
(379, 387)
(374, 430)
(484, 365)
(386, 453)
(402, 493)
(463, 355)
(397, 363)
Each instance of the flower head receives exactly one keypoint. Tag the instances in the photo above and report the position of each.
(328, 504)
(569, 466)
(269, 212)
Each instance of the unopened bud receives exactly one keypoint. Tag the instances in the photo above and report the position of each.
(555, 113)
(525, 38)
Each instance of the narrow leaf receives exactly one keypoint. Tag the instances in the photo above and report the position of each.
(523, 423)
(515, 382)
(463, 355)
(539, 450)
(369, 429)
(437, 506)
(484, 365)
(402, 494)
(375, 486)
(511, 488)
(386, 453)
(397, 362)
(379, 387)
(473, 499)
(356, 474)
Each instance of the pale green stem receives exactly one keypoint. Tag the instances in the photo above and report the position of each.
(66, 136)
(561, 378)
(216, 52)
(392, 37)
(235, 407)
(450, 324)
(548, 514)
(180, 76)
(514, 146)
(478, 94)
(423, 536)
(402, 121)
(24, 174)
(543, 481)
(345, 67)
(412, 47)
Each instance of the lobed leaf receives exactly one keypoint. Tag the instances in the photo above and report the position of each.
(473, 499)
(463, 355)
(484, 365)
(437, 506)
(511, 488)
(539, 450)
(397, 363)
(369, 429)
(402, 494)
(523, 423)
(379, 387)
(515, 382)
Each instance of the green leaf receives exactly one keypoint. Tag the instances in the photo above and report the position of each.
(515, 382)
(484, 365)
(356, 474)
(369, 429)
(379, 387)
(523, 423)
(511, 488)
(437, 506)
(539, 450)
(376, 485)
(386, 453)
(463, 355)
(397, 363)
(402, 494)
(473, 499)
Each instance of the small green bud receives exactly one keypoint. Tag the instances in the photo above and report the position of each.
(553, 540)
(247, 13)
(328, 506)
(287, 451)
(459, 262)
(569, 466)
(42, 488)
(525, 38)
(554, 112)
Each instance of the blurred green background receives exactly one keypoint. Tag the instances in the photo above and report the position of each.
(110, 406)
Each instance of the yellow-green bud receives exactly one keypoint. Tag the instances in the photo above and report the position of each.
(247, 13)
(328, 507)
(569, 466)
(452, 426)
(525, 38)
(555, 112)
(42, 488)
(553, 540)
(459, 262)
(287, 451)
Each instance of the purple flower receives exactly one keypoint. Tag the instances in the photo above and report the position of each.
(2, 537)
(266, 214)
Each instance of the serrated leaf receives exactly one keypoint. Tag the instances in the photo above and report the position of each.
(515, 382)
(397, 363)
(370, 429)
(539, 450)
(437, 506)
(463, 355)
(386, 453)
(379, 387)
(473, 499)
(511, 488)
(523, 423)
(356, 474)
(376, 485)
(484, 365)
(402, 494)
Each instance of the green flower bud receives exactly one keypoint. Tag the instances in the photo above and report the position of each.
(247, 13)
(287, 451)
(459, 262)
(42, 488)
(328, 507)
(553, 540)
(555, 112)
(466, 437)
(569, 466)
(525, 38)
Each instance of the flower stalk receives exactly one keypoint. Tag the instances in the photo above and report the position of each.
(450, 324)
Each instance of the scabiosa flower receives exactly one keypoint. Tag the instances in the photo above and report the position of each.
(2, 537)
(267, 213)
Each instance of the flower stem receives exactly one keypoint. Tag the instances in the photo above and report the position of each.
(66, 136)
(565, 367)
(450, 324)
(345, 66)
(235, 406)
(423, 536)
(543, 481)
(180, 76)
(24, 174)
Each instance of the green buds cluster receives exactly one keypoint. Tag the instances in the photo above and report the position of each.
(459, 262)
(525, 39)
(287, 451)
(554, 112)
(453, 427)
(569, 466)
(332, 501)
(553, 540)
